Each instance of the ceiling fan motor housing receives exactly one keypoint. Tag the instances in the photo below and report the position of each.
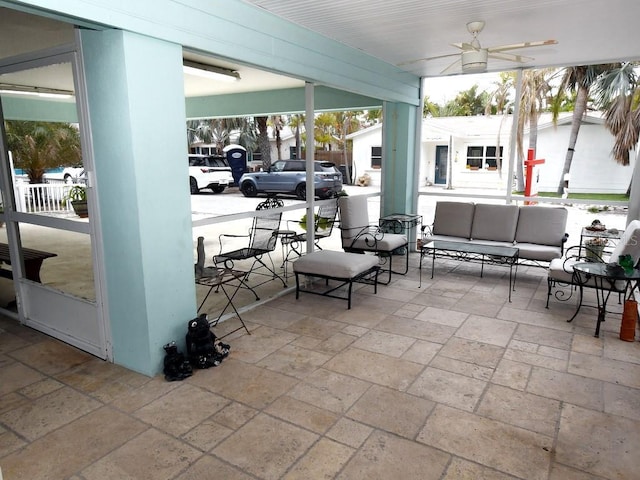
(474, 61)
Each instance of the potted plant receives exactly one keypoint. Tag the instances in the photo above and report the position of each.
(77, 195)
(595, 248)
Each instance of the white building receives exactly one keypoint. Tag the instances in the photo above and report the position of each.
(473, 142)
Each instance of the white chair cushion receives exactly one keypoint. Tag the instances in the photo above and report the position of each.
(334, 264)
(354, 216)
(629, 244)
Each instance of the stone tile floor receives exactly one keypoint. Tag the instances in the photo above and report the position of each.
(449, 381)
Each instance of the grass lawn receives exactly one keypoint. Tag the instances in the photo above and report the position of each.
(599, 197)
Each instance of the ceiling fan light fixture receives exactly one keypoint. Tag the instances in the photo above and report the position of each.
(474, 61)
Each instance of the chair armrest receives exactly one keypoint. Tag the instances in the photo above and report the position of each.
(579, 253)
(370, 234)
(565, 237)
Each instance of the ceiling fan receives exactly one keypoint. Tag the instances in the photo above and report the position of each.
(473, 58)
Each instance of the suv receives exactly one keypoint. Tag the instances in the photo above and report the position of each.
(289, 176)
(209, 171)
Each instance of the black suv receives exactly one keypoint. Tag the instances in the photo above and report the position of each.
(289, 176)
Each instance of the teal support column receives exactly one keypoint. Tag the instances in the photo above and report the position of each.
(400, 164)
(138, 126)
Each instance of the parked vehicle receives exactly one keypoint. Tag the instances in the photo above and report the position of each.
(209, 171)
(289, 176)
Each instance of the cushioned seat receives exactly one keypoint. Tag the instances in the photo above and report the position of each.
(358, 236)
(561, 269)
(343, 267)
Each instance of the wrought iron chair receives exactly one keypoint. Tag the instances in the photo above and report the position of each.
(220, 279)
(358, 236)
(323, 223)
(262, 237)
(561, 272)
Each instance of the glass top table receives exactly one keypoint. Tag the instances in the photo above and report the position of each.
(472, 252)
(606, 278)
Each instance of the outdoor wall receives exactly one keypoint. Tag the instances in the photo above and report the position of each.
(593, 168)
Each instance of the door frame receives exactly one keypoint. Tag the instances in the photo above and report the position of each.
(41, 307)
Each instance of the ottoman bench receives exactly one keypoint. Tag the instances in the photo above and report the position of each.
(345, 268)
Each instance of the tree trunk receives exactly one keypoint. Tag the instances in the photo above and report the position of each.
(263, 142)
(578, 113)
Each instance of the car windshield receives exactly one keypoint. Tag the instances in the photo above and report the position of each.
(218, 162)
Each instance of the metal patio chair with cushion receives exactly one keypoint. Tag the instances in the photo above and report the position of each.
(561, 272)
(262, 238)
(323, 223)
(359, 236)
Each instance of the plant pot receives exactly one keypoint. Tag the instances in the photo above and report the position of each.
(80, 207)
(595, 253)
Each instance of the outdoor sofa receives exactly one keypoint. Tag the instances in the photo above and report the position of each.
(538, 232)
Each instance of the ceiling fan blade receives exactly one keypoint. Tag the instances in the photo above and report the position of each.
(515, 46)
(410, 62)
(511, 57)
(454, 67)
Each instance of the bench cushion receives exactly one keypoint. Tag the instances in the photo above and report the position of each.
(453, 219)
(334, 264)
(541, 225)
(495, 222)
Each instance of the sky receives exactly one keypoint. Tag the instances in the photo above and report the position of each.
(442, 89)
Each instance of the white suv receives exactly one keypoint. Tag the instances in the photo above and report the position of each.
(209, 171)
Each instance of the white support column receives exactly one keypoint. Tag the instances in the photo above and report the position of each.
(309, 126)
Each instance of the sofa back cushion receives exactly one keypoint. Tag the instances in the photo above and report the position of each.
(541, 225)
(454, 219)
(495, 222)
(629, 244)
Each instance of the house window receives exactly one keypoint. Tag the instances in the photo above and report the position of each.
(482, 157)
(376, 157)
(293, 154)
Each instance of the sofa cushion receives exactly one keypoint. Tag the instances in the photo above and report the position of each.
(541, 225)
(453, 219)
(535, 251)
(495, 222)
(629, 244)
(561, 270)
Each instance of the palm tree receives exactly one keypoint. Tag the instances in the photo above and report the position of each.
(263, 142)
(533, 96)
(618, 95)
(579, 79)
(501, 106)
(297, 122)
(468, 102)
(38, 146)
(324, 129)
(277, 123)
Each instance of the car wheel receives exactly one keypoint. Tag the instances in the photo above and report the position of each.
(218, 189)
(301, 191)
(193, 186)
(67, 178)
(248, 189)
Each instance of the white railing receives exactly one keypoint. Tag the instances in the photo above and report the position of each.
(42, 197)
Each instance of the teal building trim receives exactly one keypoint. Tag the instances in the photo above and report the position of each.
(39, 110)
(138, 123)
(286, 100)
(236, 30)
